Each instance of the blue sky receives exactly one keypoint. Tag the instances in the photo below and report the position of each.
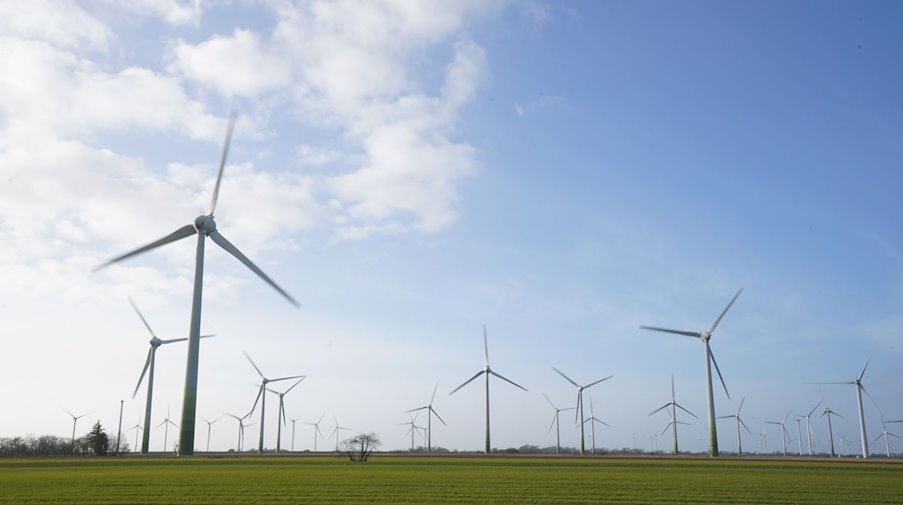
(562, 172)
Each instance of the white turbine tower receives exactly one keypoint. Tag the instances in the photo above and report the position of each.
(487, 371)
(705, 336)
(209, 426)
(673, 422)
(149, 370)
(429, 417)
(137, 429)
(317, 431)
(204, 226)
(556, 424)
(593, 420)
(784, 434)
(808, 417)
(828, 412)
(859, 390)
(166, 422)
(579, 419)
(261, 397)
(739, 423)
(281, 415)
(75, 419)
(336, 431)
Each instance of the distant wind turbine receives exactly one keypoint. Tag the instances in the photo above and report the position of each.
(209, 426)
(592, 419)
(317, 431)
(784, 434)
(75, 419)
(137, 429)
(166, 422)
(705, 336)
(673, 422)
(281, 416)
(261, 397)
(556, 424)
(579, 419)
(886, 434)
(204, 226)
(807, 417)
(859, 390)
(412, 428)
(429, 417)
(739, 423)
(336, 432)
(487, 371)
(241, 429)
(828, 412)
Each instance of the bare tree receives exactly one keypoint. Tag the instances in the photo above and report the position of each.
(359, 447)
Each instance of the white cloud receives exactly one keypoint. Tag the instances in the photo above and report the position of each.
(59, 22)
(171, 11)
(544, 102)
(236, 65)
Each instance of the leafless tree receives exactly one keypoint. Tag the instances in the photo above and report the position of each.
(359, 447)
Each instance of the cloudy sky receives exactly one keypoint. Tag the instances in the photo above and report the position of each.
(409, 171)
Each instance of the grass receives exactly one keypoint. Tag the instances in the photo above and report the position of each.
(446, 480)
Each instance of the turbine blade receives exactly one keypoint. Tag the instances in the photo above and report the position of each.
(231, 249)
(253, 365)
(295, 384)
(466, 382)
(552, 424)
(222, 163)
(717, 321)
(566, 377)
(712, 355)
(434, 393)
(598, 381)
(174, 340)
(577, 410)
(813, 409)
(660, 408)
(141, 316)
(744, 425)
(437, 415)
(144, 371)
(741, 405)
(693, 334)
(259, 394)
(181, 233)
(550, 401)
(863, 369)
(603, 422)
(302, 377)
(666, 428)
(508, 380)
(485, 345)
(685, 410)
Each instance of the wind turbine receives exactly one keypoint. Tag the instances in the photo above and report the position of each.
(809, 426)
(137, 428)
(673, 422)
(166, 422)
(261, 397)
(579, 412)
(336, 431)
(429, 417)
(799, 434)
(317, 431)
(886, 434)
(149, 370)
(487, 371)
(828, 412)
(75, 419)
(705, 336)
(593, 420)
(784, 434)
(241, 429)
(294, 420)
(281, 415)
(204, 226)
(210, 425)
(739, 423)
(413, 428)
(556, 424)
(859, 390)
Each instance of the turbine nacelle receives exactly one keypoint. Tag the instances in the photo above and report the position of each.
(705, 336)
(155, 342)
(205, 224)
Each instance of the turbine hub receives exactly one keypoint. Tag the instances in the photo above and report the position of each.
(705, 336)
(155, 342)
(205, 224)
(485, 368)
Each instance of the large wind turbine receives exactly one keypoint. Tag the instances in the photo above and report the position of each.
(149, 370)
(673, 422)
(204, 226)
(859, 390)
(317, 431)
(579, 419)
(739, 423)
(487, 371)
(261, 397)
(209, 426)
(828, 412)
(807, 417)
(593, 420)
(429, 417)
(75, 419)
(281, 415)
(784, 434)
(556, 424)
(705, 336)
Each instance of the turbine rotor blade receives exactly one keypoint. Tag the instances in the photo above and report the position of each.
(598, 381)
(507, 380)
(685, 410)
(231, 249)
(141, 377)
(467, 382)
(717, 321)
(174, 340)
(741, 405)
(434, 393)
(550, 401)
(295, 384)
(694, 334)
(141, 316)
(302, 377)
(254, 365)
(660, 408)
(712, 355)
(566, 377)
(485, 345)
(813, 409)
(259, 394)
(862, 374)
(744, 425)
(437, 415)
(181, 233)
(222, 163)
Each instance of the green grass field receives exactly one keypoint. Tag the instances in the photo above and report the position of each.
(446, 480)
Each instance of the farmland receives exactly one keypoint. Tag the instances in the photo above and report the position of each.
(387, 479)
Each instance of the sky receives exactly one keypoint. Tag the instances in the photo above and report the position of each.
(562, 172)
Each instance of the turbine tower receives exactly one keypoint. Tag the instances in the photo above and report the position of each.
(705, 336)
(261, 397)
(593, 420)
(241, 429)
(556, 424)
(336, 431)
(859, 390)
(209, 426)
(75, 419)
(137, 428)
(149, 370)
(807, 417)
(281, 415)
(487, 371)
(578, 419)
(317, 431)
(166, 422)
(204, 226)
(429, 416)
(739, 423)
(828, 412)
(784, 434)
(673, 422)
(886, 434)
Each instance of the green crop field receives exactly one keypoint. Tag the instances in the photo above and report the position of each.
(386, 479)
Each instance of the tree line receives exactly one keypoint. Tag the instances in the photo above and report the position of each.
(96, 443)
